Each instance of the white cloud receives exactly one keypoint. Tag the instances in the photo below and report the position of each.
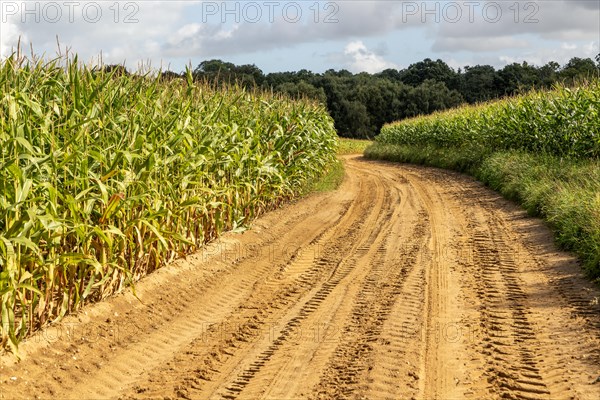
(134, 31)
(347, 20)
(9, 37)
(360, 59)
(561, 54)
(183, 29)
(476, 44)
(549, 20)
(177, 30)
(183, 33)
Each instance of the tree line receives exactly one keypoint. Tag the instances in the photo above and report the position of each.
(362, 103)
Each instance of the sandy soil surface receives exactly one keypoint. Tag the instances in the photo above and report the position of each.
(407, 282)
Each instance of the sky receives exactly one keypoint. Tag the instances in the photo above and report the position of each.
(304, 34)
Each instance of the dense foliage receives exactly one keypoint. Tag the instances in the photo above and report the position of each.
(362, 103)
(106, 176)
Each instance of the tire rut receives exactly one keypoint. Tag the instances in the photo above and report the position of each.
(509, 342)
(342, 255)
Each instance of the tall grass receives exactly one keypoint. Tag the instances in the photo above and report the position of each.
(352, 146)
(106, 177)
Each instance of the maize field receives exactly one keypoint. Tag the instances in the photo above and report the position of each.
(561, 122)
(105, 177)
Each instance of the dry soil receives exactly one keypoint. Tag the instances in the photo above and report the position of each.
(407, 282)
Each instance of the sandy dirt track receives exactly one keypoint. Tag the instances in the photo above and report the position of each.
(407, 282)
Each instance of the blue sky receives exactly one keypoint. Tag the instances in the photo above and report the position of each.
(306, 34)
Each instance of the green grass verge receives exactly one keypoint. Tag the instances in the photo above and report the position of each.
(334, 173)
(565, 192)
(352, 146)
(330, 180)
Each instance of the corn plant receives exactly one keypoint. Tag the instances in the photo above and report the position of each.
(563, 122)
(105, 177)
